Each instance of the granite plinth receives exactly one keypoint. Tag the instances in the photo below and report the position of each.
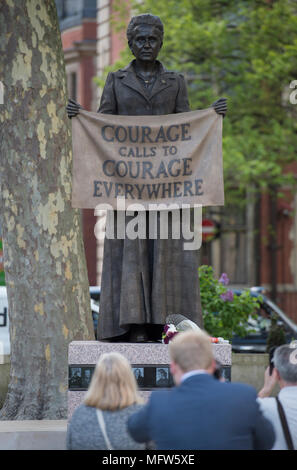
(88, 353)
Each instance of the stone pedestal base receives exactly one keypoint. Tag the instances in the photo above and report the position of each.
(150, 363)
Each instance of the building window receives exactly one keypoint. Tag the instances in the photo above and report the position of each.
(71, 12)
(67, 8)
(73, 7)
(60, 9)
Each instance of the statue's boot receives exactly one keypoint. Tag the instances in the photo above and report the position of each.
(138, 334)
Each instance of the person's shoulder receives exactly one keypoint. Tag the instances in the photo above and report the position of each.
(159, 397)
(82, 410)
(134, 408)
(245, 390)
(237, 396)
(267, 403)
(124, 413)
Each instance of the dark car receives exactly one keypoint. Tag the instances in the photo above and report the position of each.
(255, 341)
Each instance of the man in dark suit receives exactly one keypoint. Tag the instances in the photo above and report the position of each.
(201, 412)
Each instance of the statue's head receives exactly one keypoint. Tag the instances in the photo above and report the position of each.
(145, 36)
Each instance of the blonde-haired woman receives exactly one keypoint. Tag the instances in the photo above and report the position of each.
(101, 421)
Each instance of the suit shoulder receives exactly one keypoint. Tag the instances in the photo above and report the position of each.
(247, 390)
(159, 396)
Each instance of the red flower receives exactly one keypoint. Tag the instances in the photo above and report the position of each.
(166, 328)
(170, 336)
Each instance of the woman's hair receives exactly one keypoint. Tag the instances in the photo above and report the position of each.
(147, 18)
(113, 385)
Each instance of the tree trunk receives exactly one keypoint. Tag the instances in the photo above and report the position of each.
(45, 268)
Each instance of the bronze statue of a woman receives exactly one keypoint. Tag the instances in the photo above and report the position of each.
(144, 281)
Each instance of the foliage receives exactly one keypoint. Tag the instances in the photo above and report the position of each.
(224, 313)
(276, 335)
(246, 51)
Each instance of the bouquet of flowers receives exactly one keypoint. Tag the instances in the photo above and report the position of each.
(182, 323)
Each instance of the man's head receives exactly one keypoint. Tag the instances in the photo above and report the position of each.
(191, 350)
(145, 36)
(285, 362)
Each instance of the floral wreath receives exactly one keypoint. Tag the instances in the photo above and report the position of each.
(170, 331)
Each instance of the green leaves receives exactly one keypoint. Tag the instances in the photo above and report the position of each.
(244, 50)
(223, 317)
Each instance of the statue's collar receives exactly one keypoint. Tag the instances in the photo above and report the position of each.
(129, 78)
(130, 68)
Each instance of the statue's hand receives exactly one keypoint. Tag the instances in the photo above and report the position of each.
(220, 106)
(73, 108)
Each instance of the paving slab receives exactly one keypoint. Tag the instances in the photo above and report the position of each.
(33, 435)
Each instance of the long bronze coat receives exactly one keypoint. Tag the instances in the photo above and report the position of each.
(143, 281)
